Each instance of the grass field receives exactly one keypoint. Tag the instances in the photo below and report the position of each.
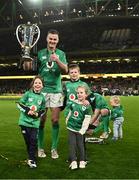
(114, 160)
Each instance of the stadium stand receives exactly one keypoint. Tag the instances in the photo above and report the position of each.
(101, 35)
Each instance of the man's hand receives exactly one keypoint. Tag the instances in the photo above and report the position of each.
(54, 57)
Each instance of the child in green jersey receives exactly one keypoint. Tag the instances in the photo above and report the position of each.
(32, 107)
(117, 117)
(77, 121)
(70, 87)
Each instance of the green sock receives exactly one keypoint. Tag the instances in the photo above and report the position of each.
(99, 127)
(105, 120)
(55, 132)
(41, 138)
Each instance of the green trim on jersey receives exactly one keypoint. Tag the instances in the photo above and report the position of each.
(35, 101)
(51, 75)
(77, 116)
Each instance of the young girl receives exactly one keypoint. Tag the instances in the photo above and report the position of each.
(32, 106)
(117, 117)
(77, 121)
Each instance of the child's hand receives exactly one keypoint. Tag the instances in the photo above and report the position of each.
(33, 113)
(30, 112)
(86, 103)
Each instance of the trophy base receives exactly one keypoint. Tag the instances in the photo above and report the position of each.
(26, 58)
(27, 65)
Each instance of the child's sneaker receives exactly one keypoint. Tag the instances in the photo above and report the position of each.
(104, 135)
(31, 164)
(82, 164)
(54, 154)
(41, 153)
(73, 165)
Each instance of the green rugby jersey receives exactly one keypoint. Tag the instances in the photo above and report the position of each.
(35, 101)
(117, 112)
(51, 74)
(70, 88)
(97, 101)
(77, 116)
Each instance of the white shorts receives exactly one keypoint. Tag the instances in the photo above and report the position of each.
(53, 99)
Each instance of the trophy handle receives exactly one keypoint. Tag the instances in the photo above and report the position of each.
(17, 35)
(38, 31)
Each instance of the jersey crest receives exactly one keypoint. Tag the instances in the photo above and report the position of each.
(83, 108)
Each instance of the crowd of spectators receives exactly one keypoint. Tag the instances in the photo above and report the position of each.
(109, 86)
(116, 86)
(105, 66)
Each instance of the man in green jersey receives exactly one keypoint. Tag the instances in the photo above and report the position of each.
(51, 63)
(101, 114)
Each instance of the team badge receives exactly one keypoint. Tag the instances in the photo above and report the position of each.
(39, 102)
(72, 97)
(76, 113)
(83, 108)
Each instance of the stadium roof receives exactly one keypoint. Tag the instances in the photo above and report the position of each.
(56, 13)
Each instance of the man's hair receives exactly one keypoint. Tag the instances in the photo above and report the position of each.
(74, 66)
(53, 31)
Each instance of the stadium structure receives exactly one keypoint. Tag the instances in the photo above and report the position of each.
(102, 36)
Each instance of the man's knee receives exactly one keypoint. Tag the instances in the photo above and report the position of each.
(104, 112)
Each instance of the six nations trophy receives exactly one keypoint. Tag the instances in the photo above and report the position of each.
(27, 36)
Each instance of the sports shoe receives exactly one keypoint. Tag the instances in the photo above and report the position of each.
(82, 164)
(104, 135)
(89, 132)
(54, 154)
(31, 163)
(73, 165)
(41, 153)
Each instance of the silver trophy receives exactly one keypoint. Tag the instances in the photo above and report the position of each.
(27, 36)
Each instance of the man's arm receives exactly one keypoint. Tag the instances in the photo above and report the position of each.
(95, 116)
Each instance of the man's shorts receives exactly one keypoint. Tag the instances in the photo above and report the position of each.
(53, 99)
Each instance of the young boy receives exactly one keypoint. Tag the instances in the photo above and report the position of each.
(77, 121)
(117, 117)
(70, 87)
